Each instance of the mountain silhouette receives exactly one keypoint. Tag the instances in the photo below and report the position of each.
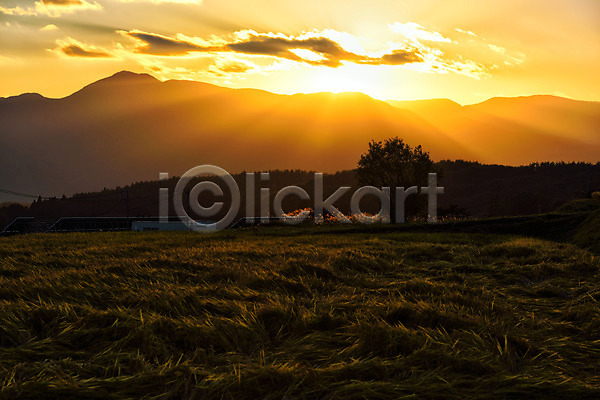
(129, 127)
(518, 130)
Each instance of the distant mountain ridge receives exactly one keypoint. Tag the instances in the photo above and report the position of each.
(129, 127)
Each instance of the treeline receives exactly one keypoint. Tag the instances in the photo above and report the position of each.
(498, 190)
(471, 189)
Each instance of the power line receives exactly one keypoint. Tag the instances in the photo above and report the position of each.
(12, 192)
(79, 197)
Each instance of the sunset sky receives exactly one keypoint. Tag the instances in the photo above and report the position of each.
(467, 51)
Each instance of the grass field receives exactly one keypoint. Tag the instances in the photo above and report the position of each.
(298, 313)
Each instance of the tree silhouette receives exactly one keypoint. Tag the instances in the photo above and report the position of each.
(393, 163)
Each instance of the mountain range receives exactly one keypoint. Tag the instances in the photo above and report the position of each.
(130, 127)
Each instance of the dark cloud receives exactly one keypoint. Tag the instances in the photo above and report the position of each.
(235, 67)
(163, 46)
(399, 57)
(224, 69)
(330, 53)
(74, 50)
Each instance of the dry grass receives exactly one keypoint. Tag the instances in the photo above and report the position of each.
(297, 313)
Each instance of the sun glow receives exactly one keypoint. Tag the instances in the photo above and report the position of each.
(347, 78)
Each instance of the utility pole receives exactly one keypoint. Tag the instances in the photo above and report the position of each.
(127, 202)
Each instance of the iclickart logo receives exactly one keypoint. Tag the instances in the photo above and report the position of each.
(320, 204)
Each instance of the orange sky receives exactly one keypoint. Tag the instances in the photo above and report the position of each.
(467, 51)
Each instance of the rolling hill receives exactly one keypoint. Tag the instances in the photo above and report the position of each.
(130, 127)
(517, 130)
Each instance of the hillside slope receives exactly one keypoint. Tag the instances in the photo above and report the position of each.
(130, 127)
(517, 130)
